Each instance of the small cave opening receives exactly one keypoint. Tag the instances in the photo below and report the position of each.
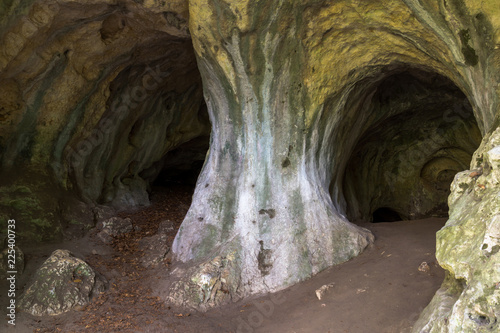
(385, 214)
(419, 131)
(177, 171)
(182, 165)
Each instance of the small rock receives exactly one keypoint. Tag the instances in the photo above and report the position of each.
(105, 237)
(205, 286)
(61, 284)
(321, 291)
(113, 227)
(424, 267)
(116, 225)
(102, 213)
(155, 249)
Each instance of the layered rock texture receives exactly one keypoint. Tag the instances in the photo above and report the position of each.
(319, 113)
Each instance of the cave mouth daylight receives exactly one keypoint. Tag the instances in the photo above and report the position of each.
(420, 132)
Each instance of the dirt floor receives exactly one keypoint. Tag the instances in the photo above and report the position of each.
(382, 290)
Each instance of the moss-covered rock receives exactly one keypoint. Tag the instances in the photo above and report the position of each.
(61, 284)
(211, 284)
(468, 247)
(35, 214)
(113, 227)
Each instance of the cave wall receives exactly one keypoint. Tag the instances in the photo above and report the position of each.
(94, 95)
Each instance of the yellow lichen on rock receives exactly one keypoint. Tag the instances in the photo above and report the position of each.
(491, 9)
(344, 41)
(206, 44)
(241, 9)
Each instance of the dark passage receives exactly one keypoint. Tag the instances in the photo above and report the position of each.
(385, 214)
(183, 164)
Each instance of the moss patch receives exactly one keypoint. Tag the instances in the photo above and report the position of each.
(471, 58)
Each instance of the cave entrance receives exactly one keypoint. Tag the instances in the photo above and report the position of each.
(419, 133)
(159, 127)
(179, 168)
(172, 187)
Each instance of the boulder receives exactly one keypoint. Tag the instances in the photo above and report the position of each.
(61, 284)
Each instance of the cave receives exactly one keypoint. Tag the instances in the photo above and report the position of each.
(419, 133)
(163, 159)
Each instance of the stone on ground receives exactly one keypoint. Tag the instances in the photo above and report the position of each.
(61, 284)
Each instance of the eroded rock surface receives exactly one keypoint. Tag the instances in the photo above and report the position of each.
(61, 284)
(207, 285)
(473, 264)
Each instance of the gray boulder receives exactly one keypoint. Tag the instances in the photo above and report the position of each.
(61, 284)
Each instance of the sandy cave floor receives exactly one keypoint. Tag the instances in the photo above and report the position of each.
(382, 290)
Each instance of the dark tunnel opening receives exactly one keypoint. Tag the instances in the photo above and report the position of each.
(179, 168)
(385, 214)
(420, 132)
(183, 164)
